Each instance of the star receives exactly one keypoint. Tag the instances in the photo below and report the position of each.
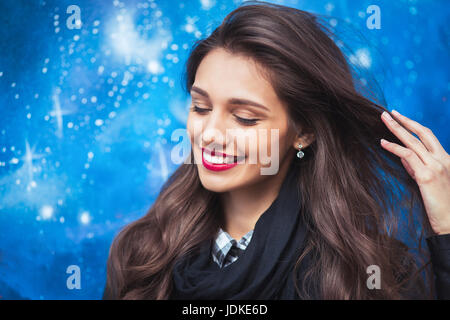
(28, 160)
(58, 113)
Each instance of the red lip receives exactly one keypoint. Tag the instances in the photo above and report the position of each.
(216, 167)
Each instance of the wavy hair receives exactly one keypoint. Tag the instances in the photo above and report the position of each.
(358, 198)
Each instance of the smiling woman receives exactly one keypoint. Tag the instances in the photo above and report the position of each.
(313, 228)
(236, 101)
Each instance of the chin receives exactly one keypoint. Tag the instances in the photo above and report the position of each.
(216, 181)
(214, 185)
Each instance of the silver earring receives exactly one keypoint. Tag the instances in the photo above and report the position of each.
(300, 153)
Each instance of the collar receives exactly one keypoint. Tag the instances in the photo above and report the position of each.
(224, 242)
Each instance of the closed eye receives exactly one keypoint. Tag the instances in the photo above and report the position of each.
(199, 110)
(244, 121)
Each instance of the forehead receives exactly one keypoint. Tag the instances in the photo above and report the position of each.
(224, 75)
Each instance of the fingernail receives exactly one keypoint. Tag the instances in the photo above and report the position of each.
(395, 112)
(387, 116)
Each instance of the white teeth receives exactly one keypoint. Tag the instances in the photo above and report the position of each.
(217, 159)
(229, 160)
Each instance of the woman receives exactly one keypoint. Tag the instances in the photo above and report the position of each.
(323, 220)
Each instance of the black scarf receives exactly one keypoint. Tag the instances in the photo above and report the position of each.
(263, 270)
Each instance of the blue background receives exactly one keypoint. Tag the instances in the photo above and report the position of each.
(87, 116)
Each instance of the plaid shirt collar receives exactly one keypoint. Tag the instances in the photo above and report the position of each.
(224, 242)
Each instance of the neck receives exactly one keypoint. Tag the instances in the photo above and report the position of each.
(243, 206)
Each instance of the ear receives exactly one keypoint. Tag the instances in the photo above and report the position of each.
(305, 140)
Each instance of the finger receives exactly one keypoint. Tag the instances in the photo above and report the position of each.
(425, 134)
(408, 168)
(407, 138)
(411, 158)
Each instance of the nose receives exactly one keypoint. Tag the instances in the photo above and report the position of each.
(213, 130)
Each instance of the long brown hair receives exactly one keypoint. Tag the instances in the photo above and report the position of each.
(354, 191)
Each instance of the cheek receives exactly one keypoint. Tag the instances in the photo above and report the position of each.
(260, 143)
(190, 131)
(273, 140)
(193, 127)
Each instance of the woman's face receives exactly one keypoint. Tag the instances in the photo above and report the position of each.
(221, 121)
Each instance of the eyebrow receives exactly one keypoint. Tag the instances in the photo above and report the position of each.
(236, 101)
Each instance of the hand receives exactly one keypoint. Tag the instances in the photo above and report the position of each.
(427, 163)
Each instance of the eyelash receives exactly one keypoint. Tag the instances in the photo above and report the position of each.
(244, 121)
